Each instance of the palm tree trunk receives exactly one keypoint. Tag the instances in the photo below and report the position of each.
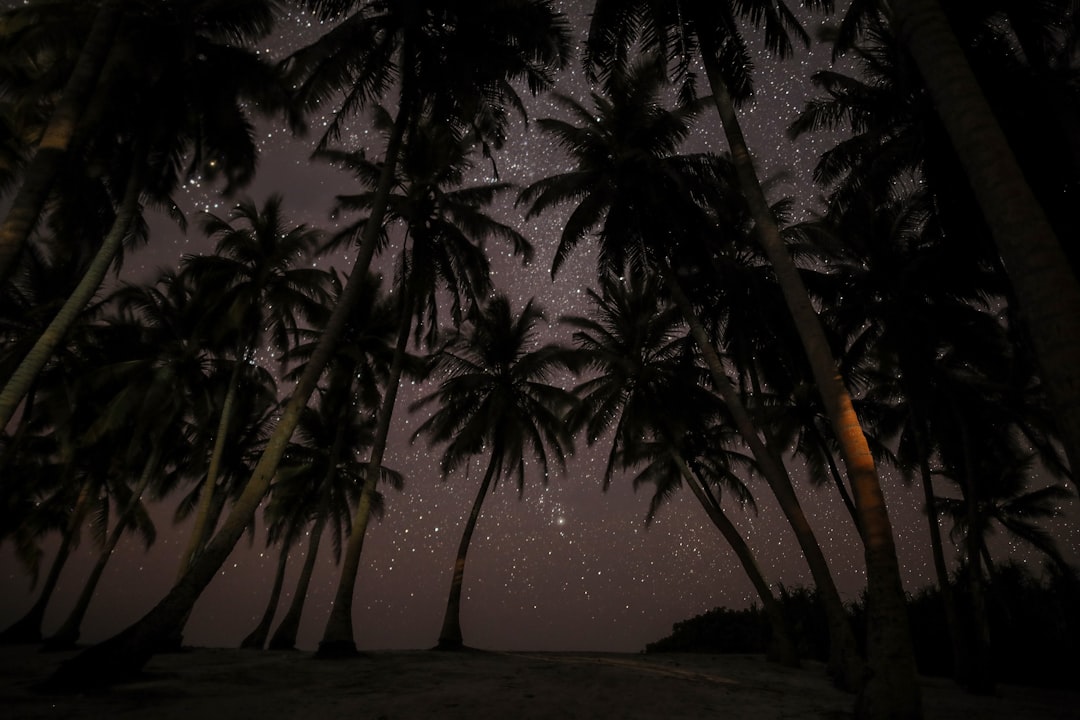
(837, 478)
(337, 640)
(27, 629)
(23, 377)
(1046, 289)
(257, 637)
(981, 677)
(68, 634)
(962, 667)
(450, 635)
(125, 653)
(781, 649)
(892, 689)
(845, 666)
(284, 637)
(201, 529)
(38, 179)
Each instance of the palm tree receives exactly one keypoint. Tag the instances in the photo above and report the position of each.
(168, 111)
(694, 30)
(1046, 289)
(495, 399)
(446, 228)
(634, 342)
(255, 290)
(52, 148)
(626, 183)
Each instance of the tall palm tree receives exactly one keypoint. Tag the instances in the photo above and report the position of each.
(443, 257)
(625, 184)
(495, 399)
(1047, 290)
(692, 30)
(643, 359)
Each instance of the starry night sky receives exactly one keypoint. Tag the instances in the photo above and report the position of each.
(566, 567)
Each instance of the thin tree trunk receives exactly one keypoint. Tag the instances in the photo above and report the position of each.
(256, 639)
(68, 634)
(450, 634)
(284, 637)
(1046, 289)
(781, 649)
(127, 652)
(962, 667)
(337, 640)
(23, 377)
(891, 690)
(30, 200)
(200, 530)
(27, 629)
(845, 666)
(981, 677)
(837, 478)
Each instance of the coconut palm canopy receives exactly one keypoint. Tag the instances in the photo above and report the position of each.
(569, 563)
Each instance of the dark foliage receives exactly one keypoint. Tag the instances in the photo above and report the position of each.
(1033, 624)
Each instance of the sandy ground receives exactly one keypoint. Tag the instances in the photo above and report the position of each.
(207, 684)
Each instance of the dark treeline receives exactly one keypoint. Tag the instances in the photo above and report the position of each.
(1031, 622)
(925, 317)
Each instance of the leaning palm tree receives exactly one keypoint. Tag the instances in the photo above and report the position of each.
(1046, 288)
(496, 399)
(641, 199)
(155, 120)
(642, 359)
(688, 31)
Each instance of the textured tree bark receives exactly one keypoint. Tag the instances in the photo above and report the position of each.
(28, 203)
(1046, 289)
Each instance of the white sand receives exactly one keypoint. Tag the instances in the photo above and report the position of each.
(212, 684)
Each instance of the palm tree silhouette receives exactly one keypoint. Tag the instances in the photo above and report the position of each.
(495, 399)
(644, 361)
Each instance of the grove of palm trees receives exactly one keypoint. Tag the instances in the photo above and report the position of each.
(608, 312)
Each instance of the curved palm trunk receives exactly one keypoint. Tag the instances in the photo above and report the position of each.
(257, 637)
(23, 377)
(891, 689)
(202, 528)
(125, 653)
(337, 640)
(1046, 289)
(284, 637)
(845, 666)
(68, 634)
(38, 179)
(837, 478)
(450, 635)
(27, 629)
(781, 649)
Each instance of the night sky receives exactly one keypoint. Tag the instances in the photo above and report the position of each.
(566, 567)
